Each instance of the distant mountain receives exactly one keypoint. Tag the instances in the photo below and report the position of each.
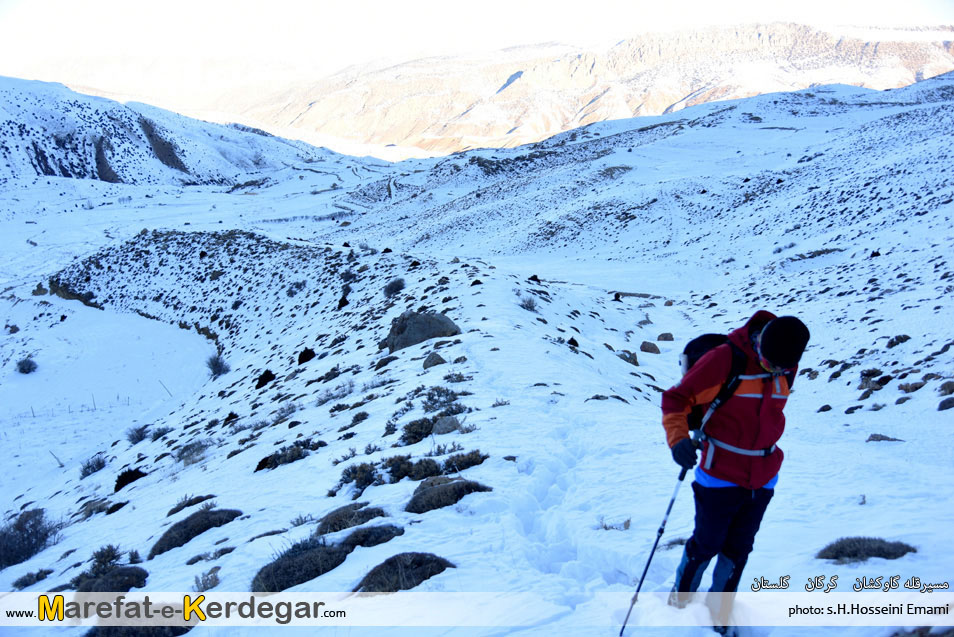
(47, 129)
(526, 94)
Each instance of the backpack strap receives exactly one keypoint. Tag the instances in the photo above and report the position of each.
(736, 371)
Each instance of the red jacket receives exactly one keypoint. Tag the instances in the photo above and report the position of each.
(750, 419)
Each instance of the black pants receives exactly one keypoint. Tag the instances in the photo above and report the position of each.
(727, 519)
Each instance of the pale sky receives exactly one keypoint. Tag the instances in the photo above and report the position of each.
(70, 40)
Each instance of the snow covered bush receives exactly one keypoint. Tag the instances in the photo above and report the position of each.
(26, 366)
(26, 536)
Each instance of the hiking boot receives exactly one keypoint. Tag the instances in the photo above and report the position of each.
(678, 599)
(728, 631)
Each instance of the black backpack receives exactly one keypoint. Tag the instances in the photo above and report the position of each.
(694, 350)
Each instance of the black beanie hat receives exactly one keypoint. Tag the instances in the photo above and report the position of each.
(783, 341)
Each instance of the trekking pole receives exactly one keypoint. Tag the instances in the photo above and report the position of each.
(659, 534)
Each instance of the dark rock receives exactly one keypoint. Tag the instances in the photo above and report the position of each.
(433, 359)
(666, 336)
(384, 362)
(649, 348)
(128, 476)
(266, 377)
(947, 403)
(824, 408)
(881, 438)
(897, 340)
(306, 355)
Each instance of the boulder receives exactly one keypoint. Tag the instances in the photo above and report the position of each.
(445, 425)
(433, 359)
(412, 328)
(649, 348)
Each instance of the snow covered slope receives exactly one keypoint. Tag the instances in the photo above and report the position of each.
(46, 129)
(833, 204)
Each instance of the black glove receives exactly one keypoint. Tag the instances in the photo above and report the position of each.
(684, 453)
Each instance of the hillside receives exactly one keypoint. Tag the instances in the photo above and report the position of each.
(51, 131)
(833, 204)
(526, 94)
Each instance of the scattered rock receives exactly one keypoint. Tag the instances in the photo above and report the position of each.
(909, 388)
(306, 355)
(902, 400)
(947, 388)
(649, 348)
(384, 362)
(882, 438)
(853, 409)
(433, 359)
(266, 377)
(572, 342)
(665, 336)
(126, 477)
(629, 357)
(460, 359)
(446, 425)
(412, 328)
(947, 403)
(897, 340)
(824, 408)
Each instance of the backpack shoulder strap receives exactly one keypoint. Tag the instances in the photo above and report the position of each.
(732, 381)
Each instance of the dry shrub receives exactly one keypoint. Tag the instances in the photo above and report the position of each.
(196, 524)
(442, 495)
(402, 572)
(347, 517)
(461, 461)
(859, 549)
(26, 536)
(188, 501)
(416, 431)
(303, 561)
(372, 535)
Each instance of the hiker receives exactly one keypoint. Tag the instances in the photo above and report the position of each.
(740, 461)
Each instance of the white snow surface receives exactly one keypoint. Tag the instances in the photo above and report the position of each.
(833, 204)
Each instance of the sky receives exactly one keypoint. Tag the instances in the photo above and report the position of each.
(50, 37)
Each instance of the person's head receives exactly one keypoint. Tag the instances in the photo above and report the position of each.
(781, 342)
